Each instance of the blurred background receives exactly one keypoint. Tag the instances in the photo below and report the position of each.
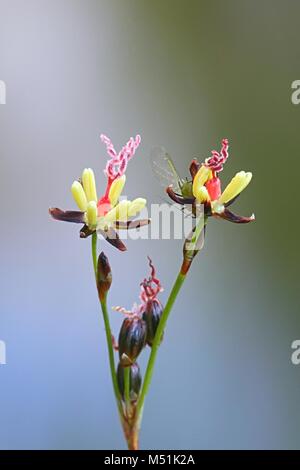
(183, 74)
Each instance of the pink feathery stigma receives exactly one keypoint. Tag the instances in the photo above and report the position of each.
(117, 164)
(217, 160)
(150, 287)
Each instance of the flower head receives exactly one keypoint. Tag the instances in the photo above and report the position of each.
(206, 187)
(106, 214)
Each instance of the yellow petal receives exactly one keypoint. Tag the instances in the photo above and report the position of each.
(238, 183)
(111, 215)
(119, 212)
(79, 196)
(136, 206)
(116, 190)
(201, 194)
(89, 185)
(200, 179)
(91, 214)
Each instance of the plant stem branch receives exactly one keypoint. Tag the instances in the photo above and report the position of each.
(161, 326)
(163, 321)
(94, 253)
(131, 425)
(111, 354)
(103, 304)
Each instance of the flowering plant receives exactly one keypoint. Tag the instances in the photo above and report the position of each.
(106, 214)
(145, 323)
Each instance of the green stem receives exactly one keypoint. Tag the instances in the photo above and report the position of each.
(127, 387)
(161, 326)
(132, 427)
(107, 331)
(111, 354)
(94, 253)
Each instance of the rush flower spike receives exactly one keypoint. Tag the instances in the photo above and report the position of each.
(107, 214)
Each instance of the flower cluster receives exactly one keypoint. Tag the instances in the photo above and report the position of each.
(137, 330)
(205, 187)
(145, 323)
(107, 213)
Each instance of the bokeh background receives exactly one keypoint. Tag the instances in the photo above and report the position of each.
(183, 74)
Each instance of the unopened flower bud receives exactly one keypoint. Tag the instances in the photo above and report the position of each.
(152, 314)
(104, 276)
(135, 380)
(132, 339)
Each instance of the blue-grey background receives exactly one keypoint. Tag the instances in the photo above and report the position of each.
(184, 74)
